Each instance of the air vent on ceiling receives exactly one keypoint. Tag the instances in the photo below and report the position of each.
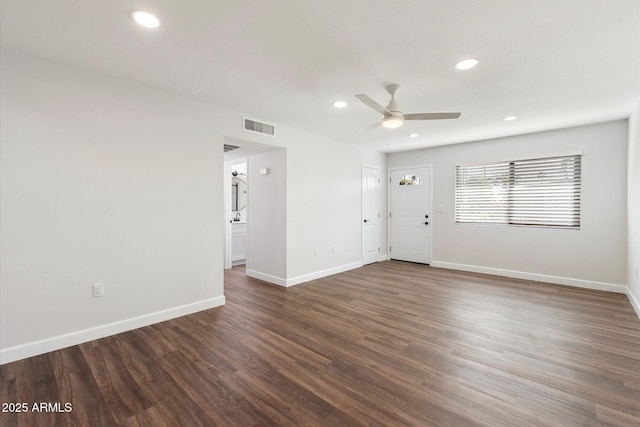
(228, 147)
(258, 127)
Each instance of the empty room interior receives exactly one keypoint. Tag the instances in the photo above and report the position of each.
(329, 213)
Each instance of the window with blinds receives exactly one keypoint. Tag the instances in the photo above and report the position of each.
(541, 192)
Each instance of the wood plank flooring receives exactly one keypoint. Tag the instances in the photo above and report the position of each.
(389, 344)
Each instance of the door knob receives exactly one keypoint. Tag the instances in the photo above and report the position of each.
(366, 220)
(426, 223)
(426, 216)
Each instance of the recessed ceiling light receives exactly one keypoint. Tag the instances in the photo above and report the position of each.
(466, 64)
(510, 118)
(145, 19)
(339, 104)
(413, 135)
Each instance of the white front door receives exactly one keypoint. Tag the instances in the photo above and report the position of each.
(370, 214)
(410, 215)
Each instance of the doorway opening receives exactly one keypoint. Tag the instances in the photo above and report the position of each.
(255, 209)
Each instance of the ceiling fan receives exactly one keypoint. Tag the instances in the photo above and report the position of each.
(393, 117)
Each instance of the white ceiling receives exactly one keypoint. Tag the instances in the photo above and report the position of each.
(553, 63)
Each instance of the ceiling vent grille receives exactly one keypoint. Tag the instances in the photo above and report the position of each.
(228, 147)
(258, 127)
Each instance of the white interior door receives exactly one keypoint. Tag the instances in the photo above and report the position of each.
(410, 215)
(370, 214)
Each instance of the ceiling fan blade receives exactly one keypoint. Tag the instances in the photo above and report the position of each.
(373, 126)
(431, 116)
(373, 104)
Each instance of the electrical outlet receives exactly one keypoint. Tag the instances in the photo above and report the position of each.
(98, 290)
(333, 249)
(315, 252)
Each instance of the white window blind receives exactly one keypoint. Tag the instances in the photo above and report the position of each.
(535, 192)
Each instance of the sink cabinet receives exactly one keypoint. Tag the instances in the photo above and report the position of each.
(238, 243)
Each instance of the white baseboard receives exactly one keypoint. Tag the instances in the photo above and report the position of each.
(267, 277)
(579, 283)
(304, 277)
(634, 302)
(35, 348)
(384, 258)
(323, 273)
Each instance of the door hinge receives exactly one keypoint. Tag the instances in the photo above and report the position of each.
(389, 180)
(378, 248)
(389, 214)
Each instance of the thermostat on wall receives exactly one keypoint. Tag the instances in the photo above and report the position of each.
(265, 171)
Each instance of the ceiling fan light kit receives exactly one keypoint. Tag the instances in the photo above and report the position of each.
(392, 114)
(392, 122)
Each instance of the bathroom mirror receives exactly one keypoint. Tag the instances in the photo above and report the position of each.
(238, 193)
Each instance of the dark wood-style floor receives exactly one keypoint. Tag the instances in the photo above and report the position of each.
(387, 344)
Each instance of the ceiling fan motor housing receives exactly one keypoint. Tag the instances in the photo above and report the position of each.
(393, 106)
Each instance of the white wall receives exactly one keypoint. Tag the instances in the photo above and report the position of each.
(267, 210)
(324, 187)
(633, 215)
(594, 256)
(102, 181)
(105, 180)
